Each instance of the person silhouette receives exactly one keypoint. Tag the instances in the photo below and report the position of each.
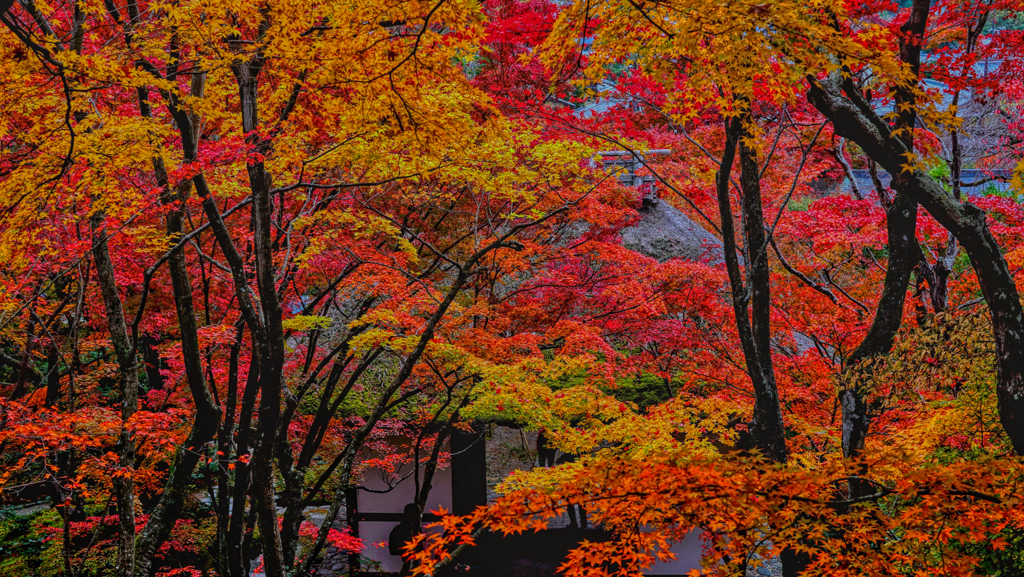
(403, 533)
(545, 452)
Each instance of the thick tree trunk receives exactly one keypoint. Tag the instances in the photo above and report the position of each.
(204, 427)
(52, 375)
(151, 357)
(766, 426)
(904, 254)
(206, 420)
(751, 298)
(123, 483)
(272, 361)
(751, 301)
(841, 102)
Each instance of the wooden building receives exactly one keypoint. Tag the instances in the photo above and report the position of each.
(381, 499)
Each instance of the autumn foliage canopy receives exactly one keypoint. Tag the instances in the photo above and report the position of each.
(246, 245)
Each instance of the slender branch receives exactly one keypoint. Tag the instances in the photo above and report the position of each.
(801, 275)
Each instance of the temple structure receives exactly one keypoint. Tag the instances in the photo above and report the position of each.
(382, 497)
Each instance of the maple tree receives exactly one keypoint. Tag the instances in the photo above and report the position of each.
(246, 244)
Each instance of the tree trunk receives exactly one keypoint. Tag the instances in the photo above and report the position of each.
(842, 103)
(766, 426)
(904, 254)
(236, 537)
(766, 429)
(751, 299)
(124, 481)
(272, 361)
(206, 420)
(52, 375)
(224, 457)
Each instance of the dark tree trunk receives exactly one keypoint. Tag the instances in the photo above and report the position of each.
(751, 301)
(236, 537)
(751, 298)
(904, 254)
(151, 357)
(842, 103)
(207, 418)
(123, 484)
(52, 375)
(272, 361)
(766, 427)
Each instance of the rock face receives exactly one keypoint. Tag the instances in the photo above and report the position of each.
(664, 233)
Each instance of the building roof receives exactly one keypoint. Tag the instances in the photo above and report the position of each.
(665, 232)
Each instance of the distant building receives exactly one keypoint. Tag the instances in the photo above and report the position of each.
(382, 496)
(974, 182)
